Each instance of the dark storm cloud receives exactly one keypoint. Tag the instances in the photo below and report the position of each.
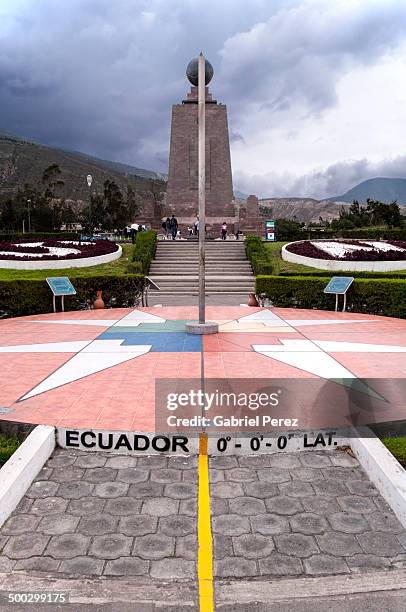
(101, 75)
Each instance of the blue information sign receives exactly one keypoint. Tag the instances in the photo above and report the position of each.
(61, 285)
(270, 230)
(339, 284)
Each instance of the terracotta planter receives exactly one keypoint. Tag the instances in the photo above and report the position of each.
(98, 303)
(252, 300)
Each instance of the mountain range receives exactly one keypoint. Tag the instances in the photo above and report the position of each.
(382, 189)
(23, 161)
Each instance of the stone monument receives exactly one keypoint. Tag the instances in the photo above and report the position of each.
(182, 189)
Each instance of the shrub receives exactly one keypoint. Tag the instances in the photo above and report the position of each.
(8, 445)
(133, 267)
(372, 296)
(261, 265)
(144, 249)
(258, 255)
(26, 297)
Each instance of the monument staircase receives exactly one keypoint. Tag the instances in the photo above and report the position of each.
(175, 268)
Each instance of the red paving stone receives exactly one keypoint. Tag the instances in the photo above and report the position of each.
(122, 396)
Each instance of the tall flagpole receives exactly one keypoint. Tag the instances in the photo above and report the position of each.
(202, 326)
(202, 184)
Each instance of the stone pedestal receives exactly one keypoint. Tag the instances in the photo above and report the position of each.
(201, 329)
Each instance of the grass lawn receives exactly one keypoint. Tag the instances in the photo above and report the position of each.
(397, 446)
(115, 267)
(280, 265)
(8, 444)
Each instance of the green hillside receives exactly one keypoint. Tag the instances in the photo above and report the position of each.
(23, 161)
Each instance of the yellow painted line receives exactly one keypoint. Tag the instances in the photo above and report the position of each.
(205, 552)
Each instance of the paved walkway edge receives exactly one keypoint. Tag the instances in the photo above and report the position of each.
(264, 591)
(96, 591)
(383, 470)
(99, 591)
(19, 471)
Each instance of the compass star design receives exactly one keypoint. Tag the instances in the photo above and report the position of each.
(141, 332)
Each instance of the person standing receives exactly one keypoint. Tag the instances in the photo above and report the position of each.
(133, 232)
(224, 231)
(173, 226)
(197, 226)
(168, 227)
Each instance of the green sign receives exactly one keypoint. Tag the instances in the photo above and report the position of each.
(61, 285)
(339, 284)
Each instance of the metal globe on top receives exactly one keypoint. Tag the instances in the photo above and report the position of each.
(193, 69)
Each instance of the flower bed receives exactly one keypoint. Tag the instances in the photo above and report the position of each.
(348, 255)
(55, 249)
(53, 253)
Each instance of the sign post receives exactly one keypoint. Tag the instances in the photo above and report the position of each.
(339, 285)
(60, 286)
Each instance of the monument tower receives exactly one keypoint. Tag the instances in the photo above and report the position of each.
(182, 189)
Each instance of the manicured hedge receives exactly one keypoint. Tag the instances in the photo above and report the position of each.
(258, 255)
(372, 296)
(26, 297)
(144, 249)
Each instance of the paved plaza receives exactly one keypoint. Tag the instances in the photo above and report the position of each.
(97, 369)
(302, 523)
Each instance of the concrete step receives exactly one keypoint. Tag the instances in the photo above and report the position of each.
(155, 271)
(192, 258)
(211, 265)
(176, 265)
(188, 291)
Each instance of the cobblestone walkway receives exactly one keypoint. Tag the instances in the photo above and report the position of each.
(95, 514)
(302, 514)
(296, 515)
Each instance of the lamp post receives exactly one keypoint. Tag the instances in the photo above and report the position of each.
(204, 74)
(89, 179)
(29, 215)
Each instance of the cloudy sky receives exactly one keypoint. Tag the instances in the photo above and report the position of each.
(316, 89)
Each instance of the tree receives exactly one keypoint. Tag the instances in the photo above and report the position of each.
(133, 203)
(50, 177)
(115, 207)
